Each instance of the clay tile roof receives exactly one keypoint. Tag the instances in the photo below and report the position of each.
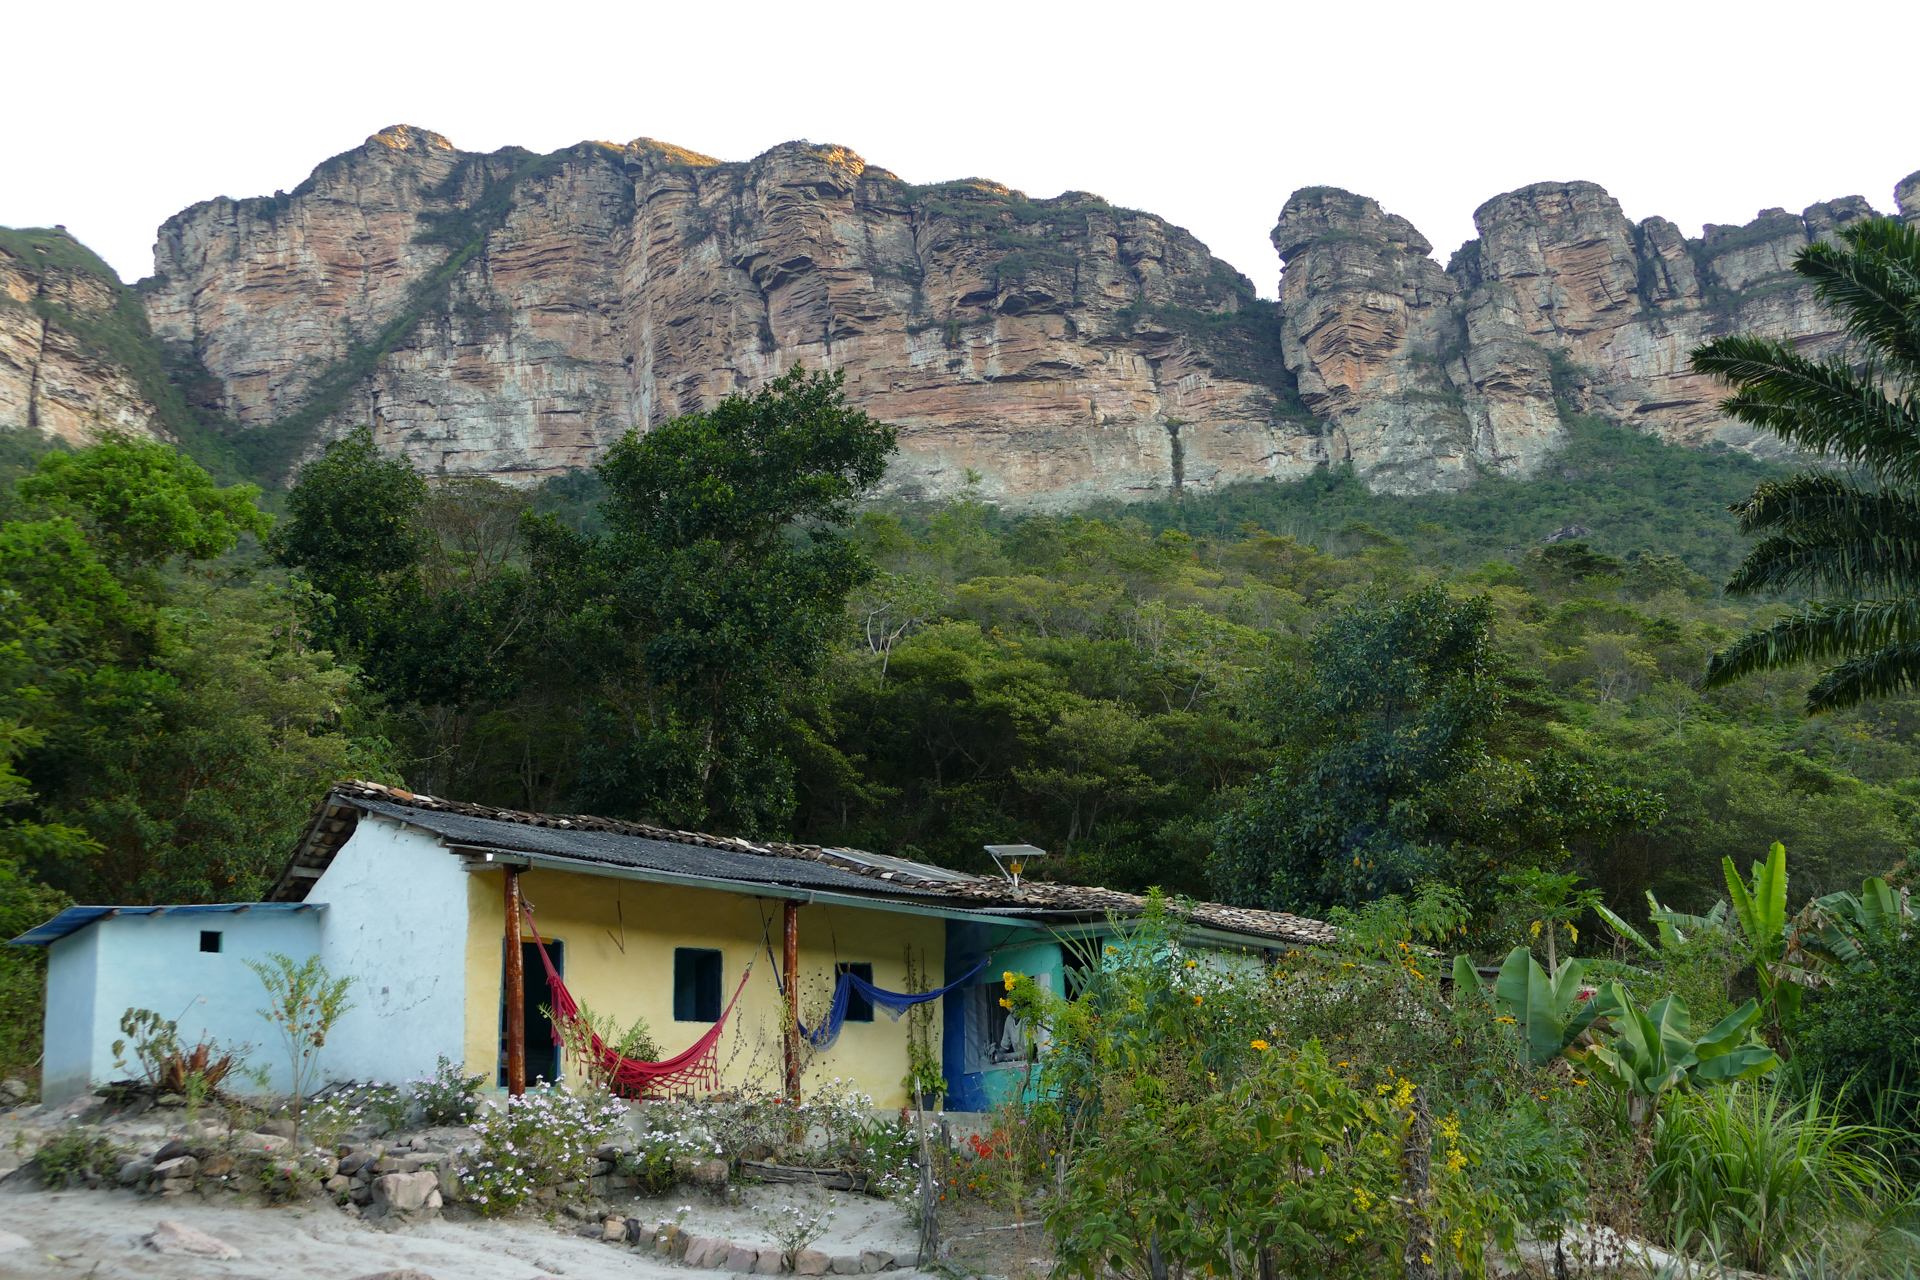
(338, 814)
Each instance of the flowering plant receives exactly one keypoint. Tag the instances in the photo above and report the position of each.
(448, 1096)
(545, 1137)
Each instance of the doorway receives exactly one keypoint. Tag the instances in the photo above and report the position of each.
(543, 1055)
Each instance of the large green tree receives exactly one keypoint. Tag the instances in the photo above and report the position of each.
(1385, 778)
(716, 590)
(1852, 540)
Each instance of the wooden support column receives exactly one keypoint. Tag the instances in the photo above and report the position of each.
(791, 960)
(516, 993)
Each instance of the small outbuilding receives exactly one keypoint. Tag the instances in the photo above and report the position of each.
(407, 895)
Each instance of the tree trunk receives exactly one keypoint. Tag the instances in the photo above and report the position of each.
(1417, 1155)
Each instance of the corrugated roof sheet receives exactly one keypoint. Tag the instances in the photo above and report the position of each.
(74, 919)
(632, 851)
(617, 842)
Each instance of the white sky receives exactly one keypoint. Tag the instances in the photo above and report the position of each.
(1206, 113)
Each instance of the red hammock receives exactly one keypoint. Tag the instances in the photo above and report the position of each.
(682, 1073)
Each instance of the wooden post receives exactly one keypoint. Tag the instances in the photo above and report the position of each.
(1417, 1155)
(791, 959)
(516, 993)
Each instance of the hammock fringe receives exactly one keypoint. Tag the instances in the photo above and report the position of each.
(696, 1067)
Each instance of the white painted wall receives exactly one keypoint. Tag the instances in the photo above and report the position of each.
(154, 962)
(396, 922)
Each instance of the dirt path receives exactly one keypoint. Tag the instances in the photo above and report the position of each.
(98, 1234)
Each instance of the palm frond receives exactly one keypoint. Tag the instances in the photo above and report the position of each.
(1834, 537)
(1819, 633)
(1872, 278)
(1823, 406)
(1880, 674)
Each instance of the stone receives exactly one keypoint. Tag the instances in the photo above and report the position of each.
(171, 1151)
(844, 1264)
(810, 1262)
(217, 1165)
(405, 1273)
(13, 1092)
(208, 1130)
(434, 1200)
(337, 1184)
(271, 1143)
(769, 1262)
(872, 1260)
(178, 1167)
(614, 1229)
(700, 1251)
(710, 1175)
(135, 1170)
(178, 1237)
(740, 1258)
(278, 1128)
(13, 1243)
(353, 1162)
(403, 1192)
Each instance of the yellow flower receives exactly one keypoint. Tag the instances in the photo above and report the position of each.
(1459, 1236)
(1261, 1045)
(1192, 963)
(1426, 1258)
(1196, 999)
(1008, 977)
(1416, 973)
(1404, 1096)
(1455, 1161)
(1508, 1021)
(1383, 1089)
(1536, 929)
(1006, 1004)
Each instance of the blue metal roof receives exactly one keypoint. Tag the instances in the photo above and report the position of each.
(74, 919)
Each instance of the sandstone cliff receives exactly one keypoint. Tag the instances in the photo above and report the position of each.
(73, 344)
(512, 314)
(1425, 377)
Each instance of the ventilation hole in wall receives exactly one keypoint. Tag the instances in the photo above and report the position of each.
(210, 940)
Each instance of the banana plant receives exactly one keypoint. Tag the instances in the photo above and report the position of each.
(1654, 1051)
(1761, 909)
(1832, 931)
(1548, 1011)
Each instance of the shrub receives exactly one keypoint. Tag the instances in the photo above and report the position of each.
(794, 1228)
(656, 1157)
(545, 1137)
(448, 1096)
(1864, 1030)
(76, 1156)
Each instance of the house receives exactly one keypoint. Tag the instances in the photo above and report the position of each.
(407, 894)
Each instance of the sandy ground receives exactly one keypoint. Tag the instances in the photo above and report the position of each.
(98, 1234)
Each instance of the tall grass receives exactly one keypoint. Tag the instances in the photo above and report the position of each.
(1754, 1178)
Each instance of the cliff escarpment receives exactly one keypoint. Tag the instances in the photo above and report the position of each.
(1561, 305)
(511, 314)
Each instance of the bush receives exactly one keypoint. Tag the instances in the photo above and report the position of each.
(545, 1137)
(448, 1096)
(78, 1156)
(656, 1158)
(1864, 1031)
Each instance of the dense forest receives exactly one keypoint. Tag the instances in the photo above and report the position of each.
(712, 630)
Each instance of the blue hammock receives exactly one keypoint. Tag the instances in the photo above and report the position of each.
(894, 1002)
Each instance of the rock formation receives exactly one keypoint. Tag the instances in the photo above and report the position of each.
(512, 314)
(68, 333)
(1425, 377)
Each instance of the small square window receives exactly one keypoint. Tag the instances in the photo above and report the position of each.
(210, 940)
(696, 985)
(859, 1008)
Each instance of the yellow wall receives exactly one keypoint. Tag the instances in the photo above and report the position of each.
(580, 910)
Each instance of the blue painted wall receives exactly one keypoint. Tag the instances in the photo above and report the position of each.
(1019, 950)
(155, 962)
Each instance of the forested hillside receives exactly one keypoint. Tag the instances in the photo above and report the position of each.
(695, 636)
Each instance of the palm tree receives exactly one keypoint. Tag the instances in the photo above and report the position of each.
(1849, 536)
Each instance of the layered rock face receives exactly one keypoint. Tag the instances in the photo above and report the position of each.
(512, 315)
(56, 376)
(1427, 377)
